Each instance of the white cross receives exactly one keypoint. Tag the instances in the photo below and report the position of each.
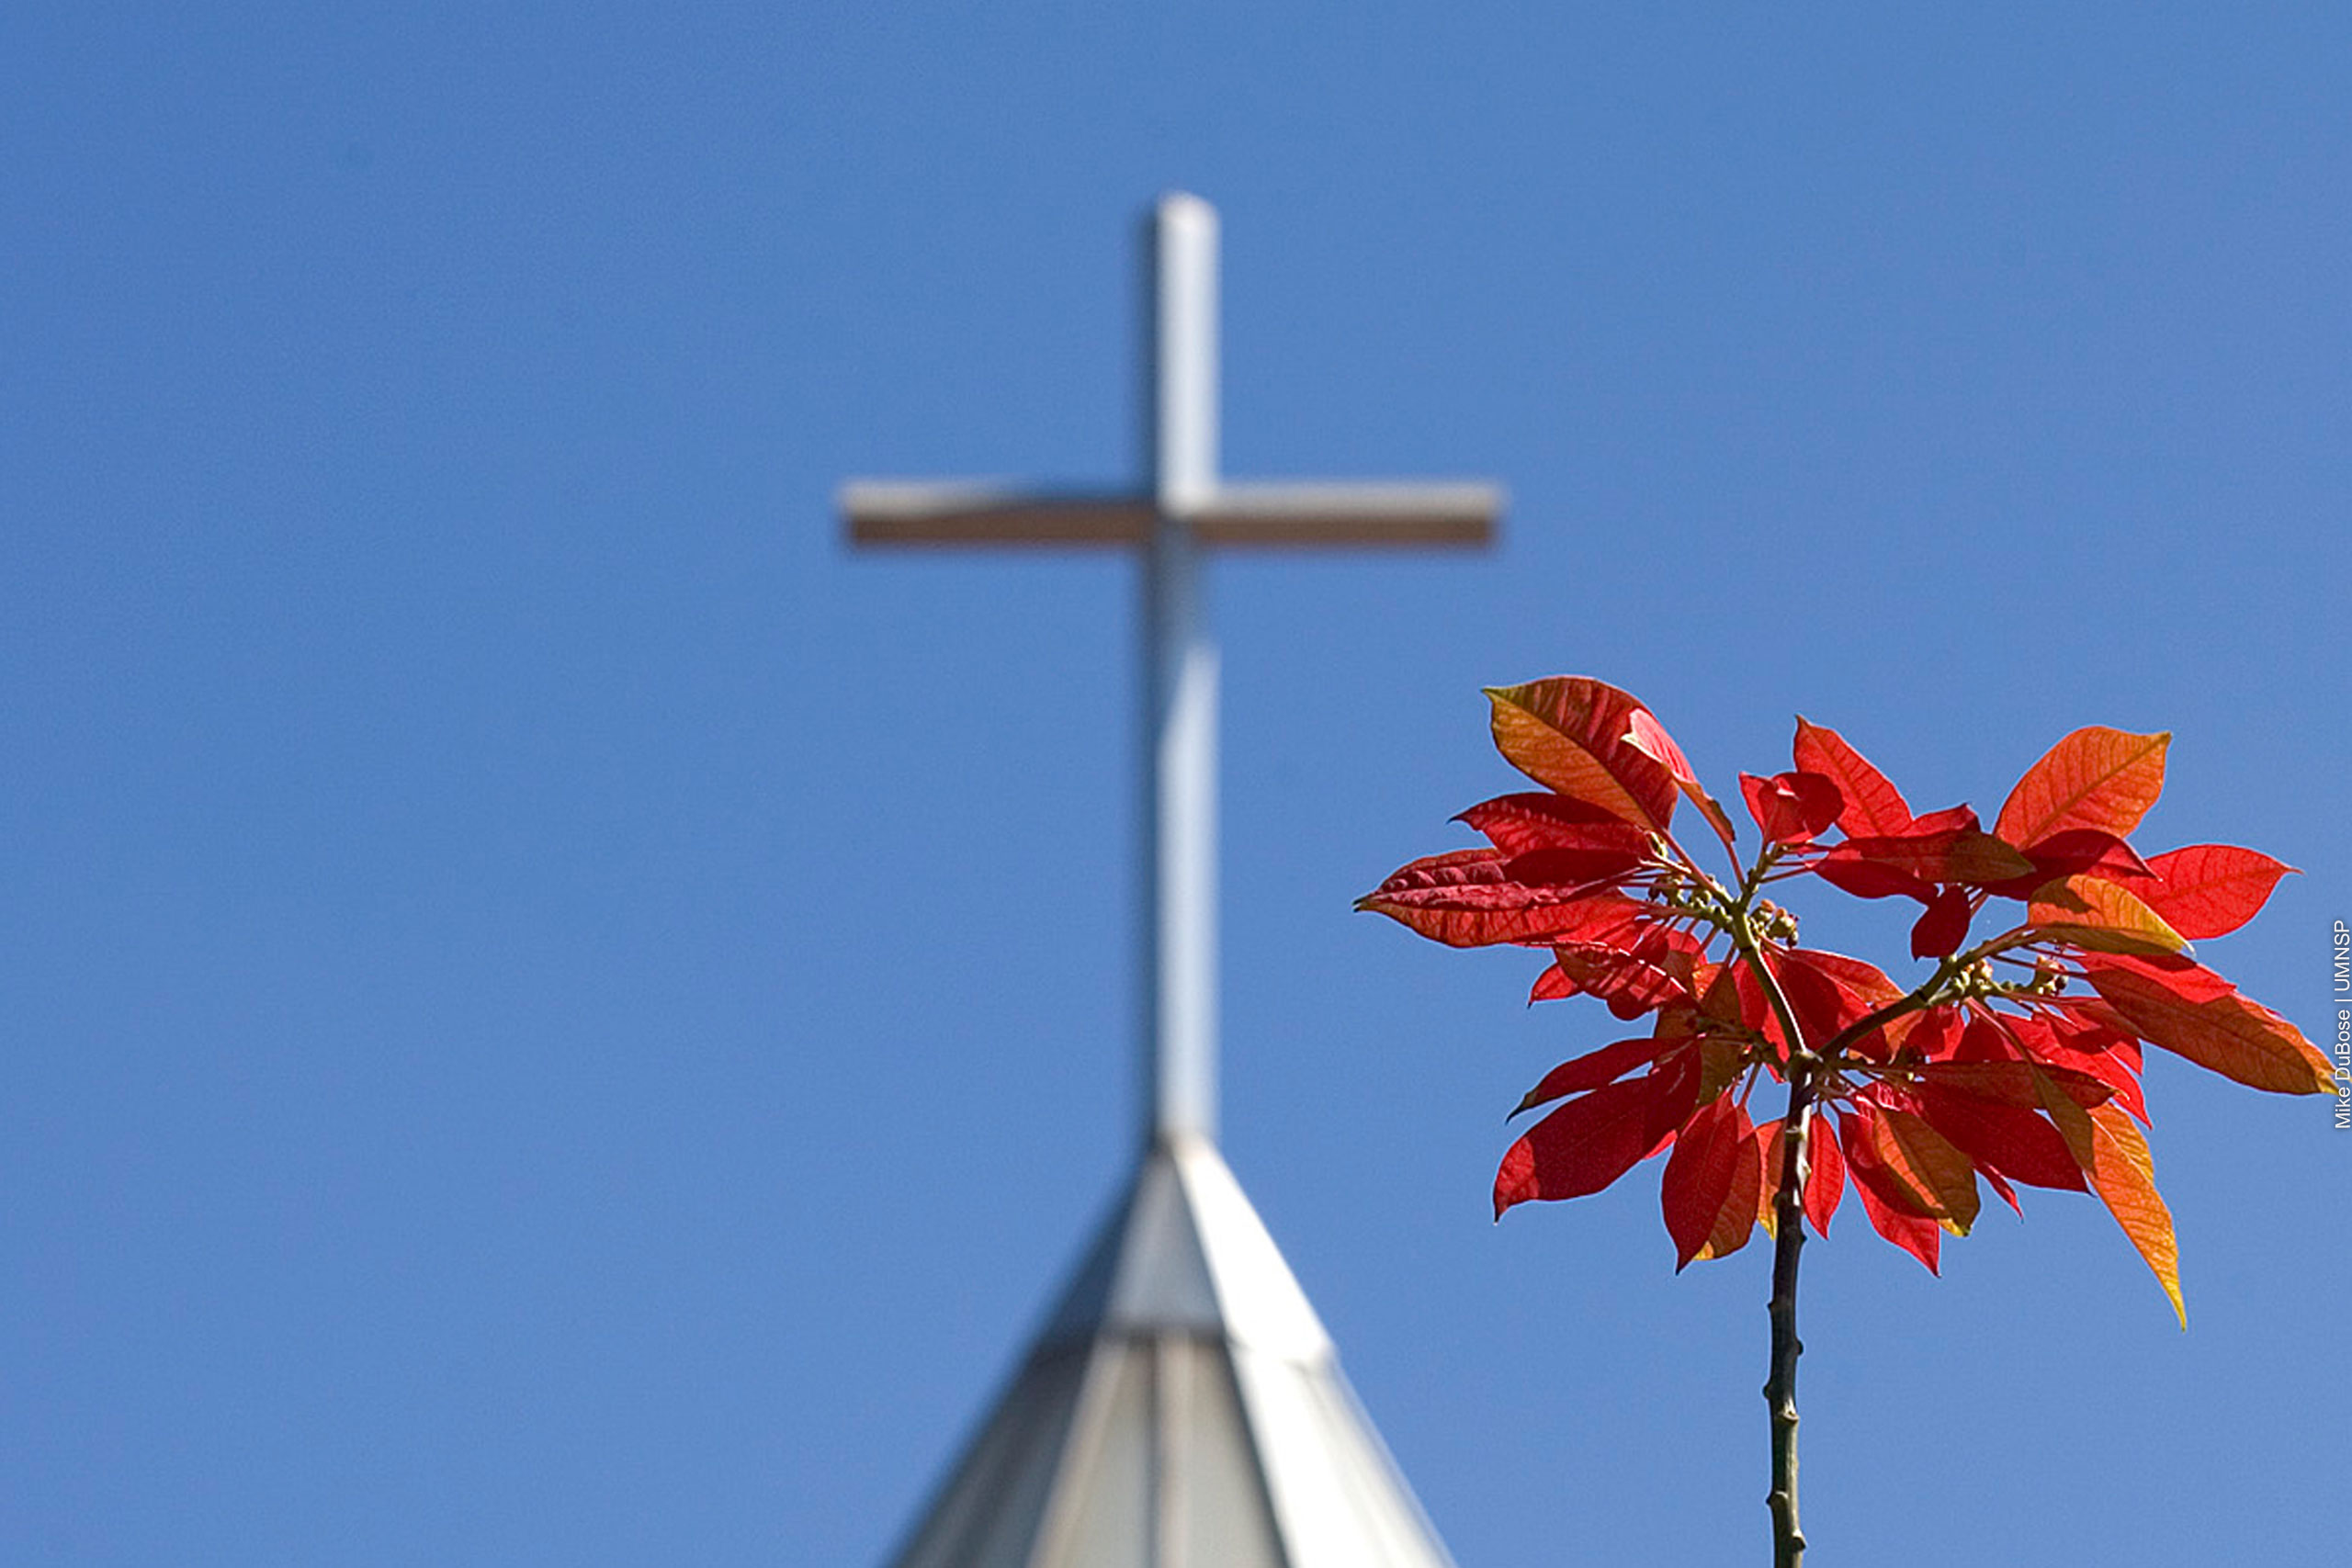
(1185, 508)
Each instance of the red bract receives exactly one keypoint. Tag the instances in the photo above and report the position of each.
(2013, 1059)
(1791, 807)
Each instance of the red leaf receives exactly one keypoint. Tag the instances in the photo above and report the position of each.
(1589, 1141)
(1962, 852)
(1632, 983)
(1823, 1006)
(2180, 975)
(2079, 852)
(1950, 819)
(2002, 1138)
(2088, 852)
(1603, 857)
(1791, 807)
(1943, 925)
(1824, 1178)
(1936, 1034)
(2095, 777)
(2072, 1054)
(1871, 803)
(1647, 736)
(1709, 1190)
(1678, 1075)
(2211, 889)
(1979, 859)
(1866, 879)
(1569, 734)
(1988, 1062)
(1467, 898)
(1867, 981)
(1517, 824)
(1826, 1182)
(1592, 1069)
(2231, 1034)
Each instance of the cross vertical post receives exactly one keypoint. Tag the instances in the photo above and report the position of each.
(1180, 672)
(1184, 509)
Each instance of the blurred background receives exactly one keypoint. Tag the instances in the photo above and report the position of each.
(556, 1014)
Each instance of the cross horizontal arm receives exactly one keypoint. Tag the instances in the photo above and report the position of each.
(1329, 513)
(1265, 516)
(888, 512)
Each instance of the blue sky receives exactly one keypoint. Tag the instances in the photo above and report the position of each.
(557, 1015)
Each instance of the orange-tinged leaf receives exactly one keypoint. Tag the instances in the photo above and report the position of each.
(2211, 889)
(2091, 912)
(1721, 1063)
(2095, 777)
(1871, 803)
(1569, 734)
(1870, 1150)
(2230, 1034)
(1894, 1212)
(1929, 1165)
(2114, 1157)
(1735, 1221)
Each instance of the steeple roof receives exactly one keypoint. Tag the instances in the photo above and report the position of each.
(1182, 1409)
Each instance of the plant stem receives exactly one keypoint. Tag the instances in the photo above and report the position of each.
(1804, 1069)
(1781, 1388)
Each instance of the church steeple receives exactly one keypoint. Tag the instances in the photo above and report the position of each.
(1183, 1406)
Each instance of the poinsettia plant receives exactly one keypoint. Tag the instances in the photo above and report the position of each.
(2014, 1060)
